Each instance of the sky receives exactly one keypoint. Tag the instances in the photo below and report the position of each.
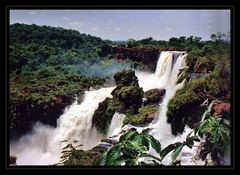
(135, 24)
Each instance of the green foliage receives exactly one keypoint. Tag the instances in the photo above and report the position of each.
(130, 148)
(214, 84)
(75, 156)
(218, 133)
(32, 45)
(177, 147)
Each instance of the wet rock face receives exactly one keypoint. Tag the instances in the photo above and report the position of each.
(187, 114)
(29, 112)
(221, 109)
(154, 95)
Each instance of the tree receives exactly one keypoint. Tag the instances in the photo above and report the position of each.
(213, 37)
(219, 36)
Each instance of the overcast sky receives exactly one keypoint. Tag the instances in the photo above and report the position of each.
(136, 24)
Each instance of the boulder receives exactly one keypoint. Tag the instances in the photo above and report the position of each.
(128, 99)
(154, 95)
(221, 109)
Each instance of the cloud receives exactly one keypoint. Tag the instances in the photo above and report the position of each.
(109, 24)
(130, 30)
(65, 18)
(32, 12)
(94, 28)
(208, 27)
(110, 20)
(117, 28)
(169, 29)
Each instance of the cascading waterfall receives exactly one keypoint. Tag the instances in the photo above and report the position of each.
(43, 146)
(167, 73)
(116, 124)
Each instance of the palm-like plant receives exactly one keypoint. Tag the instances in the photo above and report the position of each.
(217, 135)
(68, 151)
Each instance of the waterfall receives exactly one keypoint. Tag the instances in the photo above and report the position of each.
(166, 75)
(162, 129)
(116, 124)
(43, 145)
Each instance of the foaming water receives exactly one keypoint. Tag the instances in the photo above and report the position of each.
(43, 145)
(116, 124)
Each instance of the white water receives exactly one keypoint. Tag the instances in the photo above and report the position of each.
(116, 124)
(43, 146)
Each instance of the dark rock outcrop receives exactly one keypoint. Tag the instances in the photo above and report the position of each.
(187, 114)
(28, 112)
(221, 109)
(127, 96)
(154, 95)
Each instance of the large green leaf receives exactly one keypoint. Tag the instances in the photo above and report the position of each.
(177, 151)
(113, 156)
(190, 141)
(154, 143)
(168, 149)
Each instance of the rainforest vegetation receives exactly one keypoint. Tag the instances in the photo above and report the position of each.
(50, 66)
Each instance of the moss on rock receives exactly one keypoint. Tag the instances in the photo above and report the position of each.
(154, 95)
(103, 115)
(128, 99)
(146, 115)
